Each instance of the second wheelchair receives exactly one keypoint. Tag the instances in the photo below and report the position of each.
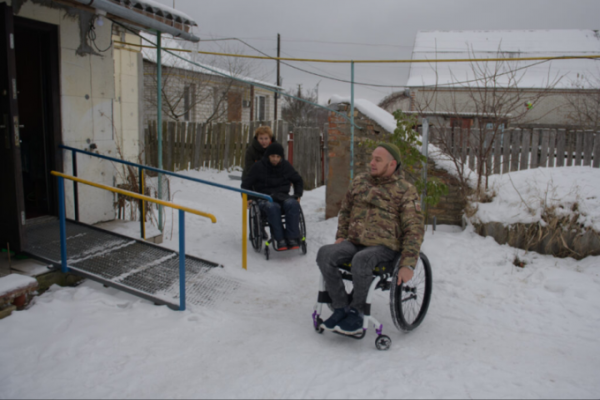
(258, 224)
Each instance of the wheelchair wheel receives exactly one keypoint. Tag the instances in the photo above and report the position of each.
(255, 228)
(303, 232)
(409, 301)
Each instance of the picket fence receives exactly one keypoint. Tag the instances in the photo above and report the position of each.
(223, 145)
(520, 149)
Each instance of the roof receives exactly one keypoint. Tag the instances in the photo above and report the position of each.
(507, 44)
(169, 60)
(157, 9)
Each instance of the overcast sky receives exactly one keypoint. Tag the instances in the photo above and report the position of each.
(362, 29)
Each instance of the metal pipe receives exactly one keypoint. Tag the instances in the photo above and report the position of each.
(352, 120)
(244, 230)
(137, 18)
(426, 154)
(63, 225)
(75, 191)
(141, 184)
(234, 189)
(159, 124)
(181, 260)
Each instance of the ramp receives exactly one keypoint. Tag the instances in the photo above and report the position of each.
(133, 266)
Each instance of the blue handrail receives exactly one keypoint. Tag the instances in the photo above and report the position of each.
(161, 171)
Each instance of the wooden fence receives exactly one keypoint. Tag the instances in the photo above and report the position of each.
(222, 146)
(519, 149)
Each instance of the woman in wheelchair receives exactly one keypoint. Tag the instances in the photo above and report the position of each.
(273, 175)
(380, 221)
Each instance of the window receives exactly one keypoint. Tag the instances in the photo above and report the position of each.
(260, 108)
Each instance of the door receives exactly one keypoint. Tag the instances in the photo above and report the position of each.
(36, 59)
(12, 213)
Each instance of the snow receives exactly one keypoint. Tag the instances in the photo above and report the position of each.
(433, 45)
(154, 5)
(12, 282)
(493, 330)
(371, 110)
(522, 196)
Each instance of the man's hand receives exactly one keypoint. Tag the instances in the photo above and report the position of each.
(404, 275)
(249, 203)
(340, 240)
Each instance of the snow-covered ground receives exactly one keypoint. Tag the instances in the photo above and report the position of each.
(522, 196)
(493, 329)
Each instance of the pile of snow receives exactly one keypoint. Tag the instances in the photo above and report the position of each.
(13, 282)
(492, 330)
(522, 197)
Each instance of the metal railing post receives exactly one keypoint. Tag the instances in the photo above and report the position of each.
(142, 213)
(75, 193)
(63, 225)
(244, 231)
(181, 260)
(352, 121)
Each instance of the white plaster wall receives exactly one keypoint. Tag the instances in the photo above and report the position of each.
(126, 103)
(87, 95)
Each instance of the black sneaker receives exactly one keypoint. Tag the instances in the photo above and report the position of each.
(293, 244)
(338, 315)
(281, 245)
(352, 324)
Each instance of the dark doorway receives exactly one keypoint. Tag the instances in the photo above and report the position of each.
(36, 58)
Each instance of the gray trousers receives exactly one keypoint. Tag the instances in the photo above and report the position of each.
(364, 260)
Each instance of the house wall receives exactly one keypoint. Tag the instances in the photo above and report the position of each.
(128, 116)
(206, 86)
(87, 92)
(552, 109)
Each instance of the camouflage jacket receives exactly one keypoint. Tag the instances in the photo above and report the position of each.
(383, 211)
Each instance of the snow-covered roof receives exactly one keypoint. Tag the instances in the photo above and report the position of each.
(371, 110)
(160, 10)
(169, 60)
(507, 44)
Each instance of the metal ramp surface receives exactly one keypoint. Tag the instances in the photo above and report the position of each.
(134, 266)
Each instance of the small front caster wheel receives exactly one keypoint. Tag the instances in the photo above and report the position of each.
(318, 327)
(383, 342)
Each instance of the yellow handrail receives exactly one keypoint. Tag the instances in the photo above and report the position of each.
(137, 196)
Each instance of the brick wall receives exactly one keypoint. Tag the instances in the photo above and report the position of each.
(448, 211)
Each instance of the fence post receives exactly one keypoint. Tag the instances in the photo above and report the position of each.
(141, 184)
(75, 192)
(181, 260)
(63, 225)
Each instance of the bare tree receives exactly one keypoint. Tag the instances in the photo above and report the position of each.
(584, 101)
(480, 108)
(300, 113)
(193, 93)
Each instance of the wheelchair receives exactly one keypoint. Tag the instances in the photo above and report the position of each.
(258, 224)
(408, 302)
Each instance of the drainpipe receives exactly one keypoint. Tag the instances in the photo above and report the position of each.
(159, 124)
(139, 19)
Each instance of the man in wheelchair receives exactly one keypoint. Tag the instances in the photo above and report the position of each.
(380, 216)
(273, 175)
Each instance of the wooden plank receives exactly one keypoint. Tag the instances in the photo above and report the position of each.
(588, 143)
(208, 151)
(578, 156)
(326, 152)
(463, 142)
(525, 151)
(227, 141)
(497, 152)
(221, 145)
(171, 129)
(570, 148)
(489, 151)
(471, 148)
(191, 146)
(165, 145)
(196, 148)
(515, 148)
(175, 147)
(506, 140)
(544, 148)
(535, 148)
(596, 155)
(552, 149)
(560, 149)
(285, 130)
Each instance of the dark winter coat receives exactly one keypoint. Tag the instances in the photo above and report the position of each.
(254, 153)
(273, 180)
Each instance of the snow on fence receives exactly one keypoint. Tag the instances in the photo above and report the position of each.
(518, 149)
(223, 145)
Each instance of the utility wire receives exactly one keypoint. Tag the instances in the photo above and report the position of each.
(270, 89)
